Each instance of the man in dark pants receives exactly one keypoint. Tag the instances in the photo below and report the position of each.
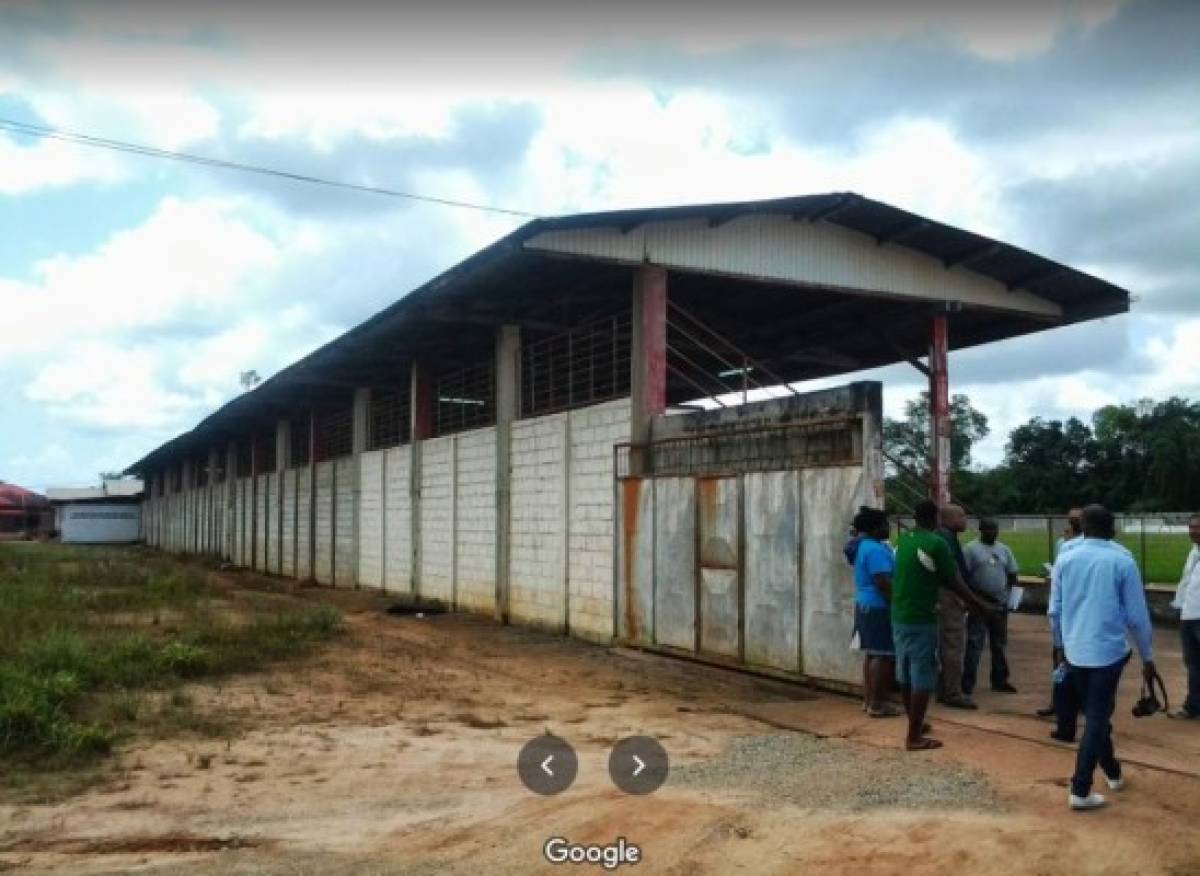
(991, 573)
(1097, 597)
(1187, 600)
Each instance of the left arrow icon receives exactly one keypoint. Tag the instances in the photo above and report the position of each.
(547, 765)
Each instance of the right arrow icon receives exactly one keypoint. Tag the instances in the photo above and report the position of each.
(638, 765)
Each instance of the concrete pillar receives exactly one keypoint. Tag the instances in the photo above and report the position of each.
(939, 409)
(283, 456)
(186, 476)
(254, 463)
(360, 434)
(648, 356)
(421, 402)
(312, 494)
(231, 520)
(214, 505)
(508, 408)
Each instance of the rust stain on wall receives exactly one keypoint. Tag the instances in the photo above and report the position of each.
(630, 492)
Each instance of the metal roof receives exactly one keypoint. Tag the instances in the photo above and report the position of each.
(457, 311)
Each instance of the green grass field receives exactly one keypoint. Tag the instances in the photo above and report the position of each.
(1165, 552)
(96, 643)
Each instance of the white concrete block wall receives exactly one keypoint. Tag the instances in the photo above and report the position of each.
(475, 513)
(370, 519)
(246, 490)
(594, 431)
(537, 586)
(262, 521)
(303, 523)
(323, 523)
(345, 496)
(435, 524)
(562, 519)
(397, 524)
(287, 546)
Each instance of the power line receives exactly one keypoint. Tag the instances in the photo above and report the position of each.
(188, 158)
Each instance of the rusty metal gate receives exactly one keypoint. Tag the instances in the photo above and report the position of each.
(729, 546)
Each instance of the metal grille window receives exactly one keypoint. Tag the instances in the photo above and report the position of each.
(264, 452)
(217, 475)
(298, 441)
(583, 366)
(389, 418)
(200, 469)
(334, 433)
(243, 458)
(465, 399)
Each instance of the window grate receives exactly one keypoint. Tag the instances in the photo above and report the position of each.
(465, 399)
(264, 452)
(389, 418)
(298, 441)
(583, 366)
(334, 433)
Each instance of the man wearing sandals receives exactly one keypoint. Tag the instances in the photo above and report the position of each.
(924, 566)
(873, 567)
(1097, 598)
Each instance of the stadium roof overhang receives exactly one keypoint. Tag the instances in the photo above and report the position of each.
(808, 286)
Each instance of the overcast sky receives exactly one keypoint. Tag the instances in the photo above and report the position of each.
(133, 290)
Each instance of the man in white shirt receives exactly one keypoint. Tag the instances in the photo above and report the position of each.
(1187, 600)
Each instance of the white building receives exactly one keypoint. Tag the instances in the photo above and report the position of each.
(108, 514)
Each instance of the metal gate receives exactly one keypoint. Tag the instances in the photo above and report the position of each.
(729, 546)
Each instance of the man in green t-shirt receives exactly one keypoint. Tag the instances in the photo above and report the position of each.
(923, 565)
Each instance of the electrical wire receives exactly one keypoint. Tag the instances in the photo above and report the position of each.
(137, 149)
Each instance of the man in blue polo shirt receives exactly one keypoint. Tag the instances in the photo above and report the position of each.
(1097, 598)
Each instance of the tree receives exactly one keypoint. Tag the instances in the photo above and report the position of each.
(249, 379)
(907, 440)
(1050, 464)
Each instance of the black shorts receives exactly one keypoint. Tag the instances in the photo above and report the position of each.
(874, 628)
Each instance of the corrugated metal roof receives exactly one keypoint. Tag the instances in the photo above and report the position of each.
(414, 319)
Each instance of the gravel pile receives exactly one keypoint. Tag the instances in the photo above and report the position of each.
(815, 773)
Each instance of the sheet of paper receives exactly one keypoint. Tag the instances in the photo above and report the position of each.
(1014, 598)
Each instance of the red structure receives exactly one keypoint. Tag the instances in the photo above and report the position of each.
(23, 513)
(939, 410)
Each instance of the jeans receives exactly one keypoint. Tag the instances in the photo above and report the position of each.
(995, 632)
(1189, 634)
(1096, 689)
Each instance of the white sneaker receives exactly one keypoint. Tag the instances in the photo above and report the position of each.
(1091, 801)
(1115, 784)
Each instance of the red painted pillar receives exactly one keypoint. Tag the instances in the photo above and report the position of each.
(939, 410)
(649, 348)
(422, 402)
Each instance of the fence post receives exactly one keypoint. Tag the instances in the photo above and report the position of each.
(1143, 540)
(1050, 540)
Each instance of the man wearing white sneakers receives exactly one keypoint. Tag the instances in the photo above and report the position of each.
(1096, 600)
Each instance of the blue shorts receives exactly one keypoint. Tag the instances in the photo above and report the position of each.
(874, 628)
(916, 660)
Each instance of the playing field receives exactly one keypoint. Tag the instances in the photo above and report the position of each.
(1165, 552)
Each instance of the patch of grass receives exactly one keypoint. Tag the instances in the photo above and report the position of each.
(84, 633)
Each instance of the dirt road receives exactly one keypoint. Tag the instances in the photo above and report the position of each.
(393, 751)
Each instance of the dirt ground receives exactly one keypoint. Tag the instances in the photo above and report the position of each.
(394, 751)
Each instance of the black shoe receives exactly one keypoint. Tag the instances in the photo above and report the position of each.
(1047, 712)
(1007, 688)
(1054, 734)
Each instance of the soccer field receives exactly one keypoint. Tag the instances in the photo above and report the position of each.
(1165, 552)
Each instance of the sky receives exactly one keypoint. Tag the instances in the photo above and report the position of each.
(133, 291)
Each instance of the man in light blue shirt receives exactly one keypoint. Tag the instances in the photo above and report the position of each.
(1096, 598)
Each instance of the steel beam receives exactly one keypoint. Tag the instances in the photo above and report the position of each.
(939, 409)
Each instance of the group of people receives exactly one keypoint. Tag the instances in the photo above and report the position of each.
(926, 610)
